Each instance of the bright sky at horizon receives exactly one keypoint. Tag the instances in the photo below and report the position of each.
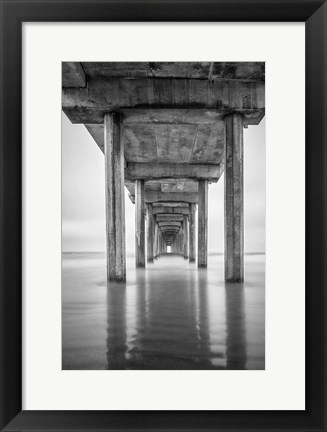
(83, 199)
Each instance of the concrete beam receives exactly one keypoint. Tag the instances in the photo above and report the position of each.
(171, 204)
(148, 171)
(170, 210)
(115, 198)
(72, 75)
(169, 224)
(139, 224)
(88, 105)
(186, 197)
(234, 225)
(168, 218)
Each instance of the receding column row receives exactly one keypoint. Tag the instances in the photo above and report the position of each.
(182, 239)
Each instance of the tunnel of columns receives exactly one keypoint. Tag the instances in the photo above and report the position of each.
(167, 131)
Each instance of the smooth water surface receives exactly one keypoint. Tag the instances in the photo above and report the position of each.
(170, 315)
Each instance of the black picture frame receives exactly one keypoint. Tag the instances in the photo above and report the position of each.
(13, 14)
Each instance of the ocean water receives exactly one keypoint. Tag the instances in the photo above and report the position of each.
(170, 315)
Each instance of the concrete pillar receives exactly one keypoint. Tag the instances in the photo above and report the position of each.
(234, 244)
(150, 226)
(192, 233)
(115, 198)
(158, 242)
(155, 249)
(139, 224)
(203, 224)
(185, 237)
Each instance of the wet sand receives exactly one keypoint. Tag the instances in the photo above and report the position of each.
(169, 316)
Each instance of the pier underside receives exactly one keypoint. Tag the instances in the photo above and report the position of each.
(167, 131)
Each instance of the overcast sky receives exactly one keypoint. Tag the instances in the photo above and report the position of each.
(83, 200)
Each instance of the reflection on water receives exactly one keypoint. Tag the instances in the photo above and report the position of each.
(169, 316)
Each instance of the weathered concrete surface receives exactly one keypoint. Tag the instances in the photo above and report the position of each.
(250, 71)
(169, 225)
(176, 205)
(169, 217)
(148, 171)
(234, 225)
(164, 186)
(155, 240)
(186, 197)
(150, 232)
(185, 234)
(173, 133)
(73, 75)
(139, 224)
(115, 201)
(192, 233)
(89, 104)
(170, 210)
(203, 224)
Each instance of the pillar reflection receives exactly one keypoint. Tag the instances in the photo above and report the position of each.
(236, 354)
(186, 324)
(116, 326)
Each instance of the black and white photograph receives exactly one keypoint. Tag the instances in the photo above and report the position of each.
(163, 215)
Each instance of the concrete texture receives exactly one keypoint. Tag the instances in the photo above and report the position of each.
(150, 232)
(203, 224)
(139, 224)
(115, 204)
(192, 233)
(234, 224)
(181, 126)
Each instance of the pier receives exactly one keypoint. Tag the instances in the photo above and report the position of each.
(168, 131)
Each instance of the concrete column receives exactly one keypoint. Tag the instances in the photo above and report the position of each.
(155, 249)
(158, 242)
(192, 233)
(150, 225)
(185, 237)
(115, 198)
(139, 224)
(203, 224)
(234, 244)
